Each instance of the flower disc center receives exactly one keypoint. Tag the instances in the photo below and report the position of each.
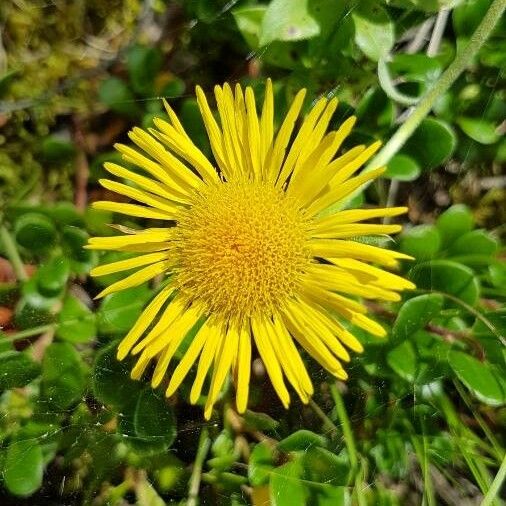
(241, 248)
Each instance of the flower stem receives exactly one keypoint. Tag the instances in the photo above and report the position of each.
(496, 485)
(12, 253)
(448, 77)
(345, 425)
(196, 476)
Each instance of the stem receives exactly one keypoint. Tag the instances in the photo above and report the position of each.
(194, 484)
(448, 77)
(469, 309)
(34, 331)
(345, 425)
(496, 485)
(328, 424)
(12, 254)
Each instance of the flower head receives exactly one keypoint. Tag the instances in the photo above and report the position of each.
(252, 255)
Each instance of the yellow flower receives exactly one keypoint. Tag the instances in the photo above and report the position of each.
(250, 250)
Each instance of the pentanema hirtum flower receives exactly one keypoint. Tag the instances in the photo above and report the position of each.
(251, 251)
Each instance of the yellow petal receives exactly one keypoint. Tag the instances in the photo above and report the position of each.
(169, 315)
(143, 322)
(304, 334)
(334, 249)
(273, 163)
(355, 230)
(355, 215)
(178, 332)
(254, 140)
(267, 120)
(213, 131)
(243, 369)
(184, 148)
(380, 277)
(141, 196)
(264, 346)
(177, 170)
(151, 185)
(339, 191)
(301, 140)
(137, 278)
(188, 359)
(155, 169)
(133, 210)
(212, 343)
(170, 337)
(223, 363)
(129, 263)
(119, 241)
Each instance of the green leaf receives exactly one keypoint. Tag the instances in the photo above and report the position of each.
(286, 488)
(260, 421)
(260, 464)
(374, 31)
(63, 379)
(332, 496)
(467, 16)
(402, 168)
(143, 65)
(35, 232)
(74, 239)
(476, 242)
(432, 143)
(65, 213)
(23, 467)
(448, 277)
(301, 440)
(57, 149)
(154, 419)
(52, 276)
(287, 20)
(422, 242)
(414, 314)
(249, 22)
(375, 110)
(480, 130)
(116, 95)
(482, 379)
(454, 222)
(76, 323)
(111, 381)
(17, 369)
(403, 361)
(120, 310)
(324, 466)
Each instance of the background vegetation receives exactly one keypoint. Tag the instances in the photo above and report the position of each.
(421, 420)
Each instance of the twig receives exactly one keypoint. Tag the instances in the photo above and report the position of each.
(420, 38)
(391, 197)
(12, 254)
(196, 476)
(437, 33)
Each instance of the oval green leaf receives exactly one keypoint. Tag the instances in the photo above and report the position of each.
(23, 467)
(482, 379)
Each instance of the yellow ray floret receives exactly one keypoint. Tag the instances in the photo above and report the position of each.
(259, 261)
